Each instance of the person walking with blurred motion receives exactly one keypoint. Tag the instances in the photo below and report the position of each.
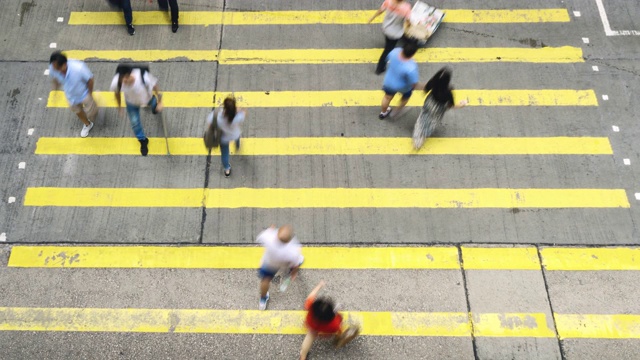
(228, 120)
(323, 319)
(140, 88)
(402, 77)
(397, 12)
(281, 251)
(164, 6)
(439, 99)
(77, 82)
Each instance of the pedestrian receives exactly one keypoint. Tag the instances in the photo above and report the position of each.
(77, 82)
(397, 12)
(324, 320)
(125, 6)
(228, 120)
(164, 5)
(281, 251)
(401, 77)
(439, 99)
(140, 88)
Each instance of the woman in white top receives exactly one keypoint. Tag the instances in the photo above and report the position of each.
(228, 121)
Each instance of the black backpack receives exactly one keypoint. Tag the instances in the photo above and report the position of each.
(144, 68)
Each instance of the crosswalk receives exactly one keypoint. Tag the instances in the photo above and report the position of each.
(253, 200)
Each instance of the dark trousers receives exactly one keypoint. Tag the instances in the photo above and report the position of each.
(390, 44)
(126, 10)
(164, 5)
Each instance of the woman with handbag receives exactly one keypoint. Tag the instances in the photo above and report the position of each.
(228, 120)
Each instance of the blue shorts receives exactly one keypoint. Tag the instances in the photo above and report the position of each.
(266, 273)
(392, 92)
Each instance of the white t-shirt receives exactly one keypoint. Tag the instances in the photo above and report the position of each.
(136, 94)
(230, 131)
(278, 255)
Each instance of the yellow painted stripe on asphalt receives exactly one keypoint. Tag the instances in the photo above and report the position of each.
(566, 54)
(585, 326)
(192, 257)
(590, 259)
(272, 198)
(512, 325)
(500, 258)
(331, 17)
(334, 146)
(346, 98)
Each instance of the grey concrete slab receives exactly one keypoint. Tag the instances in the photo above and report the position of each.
(594, 292)
(361, 290)
(32, 345)
(521, 291)
(596, 349)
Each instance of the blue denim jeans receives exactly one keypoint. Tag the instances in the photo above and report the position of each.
(134, 117)
(224, 151)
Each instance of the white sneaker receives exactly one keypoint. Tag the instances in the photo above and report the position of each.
(85, 130)
(263, 302)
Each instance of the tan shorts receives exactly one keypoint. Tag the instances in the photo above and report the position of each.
(88, 106)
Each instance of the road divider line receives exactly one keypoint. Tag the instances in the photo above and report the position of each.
(350, 98)
(334, 146)
(346, 198)
(590, 259)
(500, 258)
(566, 54)
(598, 326)
(330, 17)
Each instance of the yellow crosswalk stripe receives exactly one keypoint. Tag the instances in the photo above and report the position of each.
(331, 17)
(346, 98)
(290, 322)
(566, 54)
(335, 146)
(590, 259)
(329, 257)
(227, 257)
(272, 198)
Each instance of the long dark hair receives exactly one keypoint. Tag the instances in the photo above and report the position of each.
(440, 88)
(230, 110)
(323, 309)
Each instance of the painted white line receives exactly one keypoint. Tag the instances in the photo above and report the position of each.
(615, 128)
(60, 19)
(605, 97)
(607, 26)
(39, 99)
(585, 40)
(595, 68)
(12, 199)
(637, 196)
(46, 72)
(626, 161)
(22, 165)
(3, 237)
(30, 132)
(53, 45)
(576, 13)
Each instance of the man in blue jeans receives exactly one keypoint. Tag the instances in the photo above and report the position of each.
(140, 88)
(402, 77)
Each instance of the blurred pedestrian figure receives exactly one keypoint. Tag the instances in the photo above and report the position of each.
(228, 121)
(401, 77)
(140, 88)
(77, 82)
(281, 251)
(324, 320)
(439, 99)
(164, 5)
(397, 12)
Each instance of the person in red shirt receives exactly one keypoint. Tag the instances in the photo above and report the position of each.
(323, 320)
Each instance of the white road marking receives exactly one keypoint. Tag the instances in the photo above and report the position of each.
(53, 45)
(12, 199)
(22, 165)
(626, 161)
(46, 72)
(607, 26)
(615, 128)
(595, 68)
(605, 97)
(30, 131)
(637, 196)
(585, 40)
(60, 19)
(576, 13)
(3, 237)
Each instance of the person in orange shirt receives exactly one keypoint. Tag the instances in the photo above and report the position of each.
(324, 320)
(397, 12)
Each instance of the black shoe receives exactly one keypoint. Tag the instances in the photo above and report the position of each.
(227, 173)
(174, 27)
(131, 29)
(144, 150)
(384, 115)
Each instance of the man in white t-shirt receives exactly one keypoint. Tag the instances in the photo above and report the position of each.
(140, 88)
(281, 251)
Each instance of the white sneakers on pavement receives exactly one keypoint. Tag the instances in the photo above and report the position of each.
(85, 130)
